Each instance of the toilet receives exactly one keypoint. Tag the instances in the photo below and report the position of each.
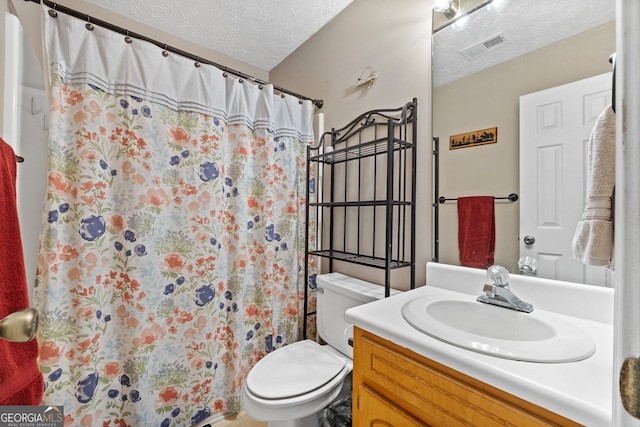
(290, 385)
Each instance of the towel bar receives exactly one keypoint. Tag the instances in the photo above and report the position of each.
(513, 197)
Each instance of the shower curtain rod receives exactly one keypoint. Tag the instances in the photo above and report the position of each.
(68, 11)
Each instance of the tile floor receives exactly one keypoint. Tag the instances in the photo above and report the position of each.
(239, 420)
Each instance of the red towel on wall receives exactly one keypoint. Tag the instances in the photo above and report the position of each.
(21, 382)
(476, 231)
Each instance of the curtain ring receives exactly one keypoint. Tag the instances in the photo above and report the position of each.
(260, 87)
(225, 75)
(53, 13)
(197, 64)
(165, 53)
(240, 81)
(89, 25)
(282, 95)
(128, 39)
(300, 101)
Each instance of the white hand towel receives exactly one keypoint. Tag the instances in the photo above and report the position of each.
(593, 239)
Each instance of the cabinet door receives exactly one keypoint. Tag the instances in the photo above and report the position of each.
(432, 393)
(375, 410)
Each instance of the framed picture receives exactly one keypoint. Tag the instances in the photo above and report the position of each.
(471, 139)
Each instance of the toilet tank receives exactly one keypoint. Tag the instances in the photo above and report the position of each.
(336, 294)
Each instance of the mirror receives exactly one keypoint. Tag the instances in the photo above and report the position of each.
(479, 73)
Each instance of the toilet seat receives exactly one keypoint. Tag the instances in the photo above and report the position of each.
(294, 370)
(293, 408)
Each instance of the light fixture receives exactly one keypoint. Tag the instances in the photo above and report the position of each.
(448, 8)
(368, 75)
(447, 12)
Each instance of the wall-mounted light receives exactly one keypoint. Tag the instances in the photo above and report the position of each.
(368, 75)
(446, 12)
(448, 8)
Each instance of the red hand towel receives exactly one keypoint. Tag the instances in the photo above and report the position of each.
(21, 382)
(476, 231)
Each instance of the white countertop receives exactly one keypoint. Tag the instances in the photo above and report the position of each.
(580, 391)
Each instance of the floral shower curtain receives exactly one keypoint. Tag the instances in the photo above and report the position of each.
(173, 245)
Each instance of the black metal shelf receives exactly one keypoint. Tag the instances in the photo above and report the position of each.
(369, 261)
(362, 203)
(368, 149)
(365, 211)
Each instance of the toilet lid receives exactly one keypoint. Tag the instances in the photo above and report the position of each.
(293, 370)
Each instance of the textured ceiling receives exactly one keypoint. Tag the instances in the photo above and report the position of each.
(259, 32)
(526, 25)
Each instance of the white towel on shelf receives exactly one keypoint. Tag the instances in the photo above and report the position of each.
(593, 239)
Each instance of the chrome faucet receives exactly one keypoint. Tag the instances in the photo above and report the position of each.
(499, 294)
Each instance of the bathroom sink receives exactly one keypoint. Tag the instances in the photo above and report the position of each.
(539, 336)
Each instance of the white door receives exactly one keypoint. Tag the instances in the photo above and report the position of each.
(555, 125)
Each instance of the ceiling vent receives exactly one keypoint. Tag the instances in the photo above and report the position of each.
(484, 46)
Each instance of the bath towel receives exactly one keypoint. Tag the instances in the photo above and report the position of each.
(593, 239)
(476, 231)
(21, 382)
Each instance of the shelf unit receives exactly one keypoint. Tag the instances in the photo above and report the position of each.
(364, 202)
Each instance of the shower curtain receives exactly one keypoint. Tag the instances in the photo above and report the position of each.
(172, 249)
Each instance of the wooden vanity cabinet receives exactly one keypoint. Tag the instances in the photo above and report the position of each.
(393, 386)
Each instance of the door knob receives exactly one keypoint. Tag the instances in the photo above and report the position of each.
(20, 326)
(529, 240)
